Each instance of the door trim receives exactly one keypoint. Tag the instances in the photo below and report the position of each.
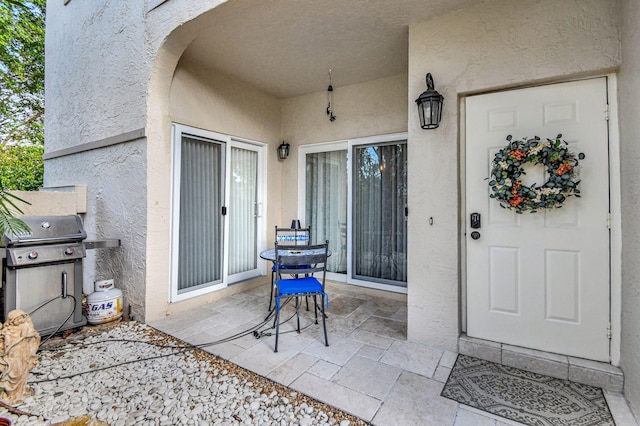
(615, 250)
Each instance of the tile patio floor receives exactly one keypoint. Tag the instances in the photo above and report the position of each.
(369, 370)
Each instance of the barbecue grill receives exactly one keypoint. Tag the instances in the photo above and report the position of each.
(42, 272)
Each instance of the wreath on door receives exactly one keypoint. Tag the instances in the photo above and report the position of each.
(561, 171)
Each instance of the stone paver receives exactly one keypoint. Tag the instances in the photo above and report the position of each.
(292, 369)
(371, 352)
(372, 339)
(466, 417)
(384, 326)
(416, 400)
(324, 370)
(412, 357)
(348, 400)
(369, 368)
(263, 360)
(367, 376)
(622, 415)
(339, 351)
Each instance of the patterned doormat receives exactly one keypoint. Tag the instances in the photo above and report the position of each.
(528, 398)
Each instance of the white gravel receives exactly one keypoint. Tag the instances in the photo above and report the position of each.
(93, 374)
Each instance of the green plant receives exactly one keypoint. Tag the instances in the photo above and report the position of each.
(21, 167)
(9, 223)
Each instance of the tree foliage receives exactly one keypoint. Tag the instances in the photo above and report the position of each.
(22, 71)
(21, 167)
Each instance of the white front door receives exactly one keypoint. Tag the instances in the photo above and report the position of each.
(540, 280)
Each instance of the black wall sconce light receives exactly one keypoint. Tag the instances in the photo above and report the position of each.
(283, 150)
(430, 106)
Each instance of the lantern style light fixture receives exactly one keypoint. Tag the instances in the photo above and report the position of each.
(430, 106)
(283, 151)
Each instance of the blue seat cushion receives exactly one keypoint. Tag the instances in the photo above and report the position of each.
(295, 286)
(300, 285)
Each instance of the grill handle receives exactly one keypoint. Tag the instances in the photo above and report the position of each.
(48, 240)
(64, 285)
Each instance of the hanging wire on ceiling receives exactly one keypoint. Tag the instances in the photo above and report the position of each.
(332, 117)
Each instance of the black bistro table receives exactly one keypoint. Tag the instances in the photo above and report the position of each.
(270, 254)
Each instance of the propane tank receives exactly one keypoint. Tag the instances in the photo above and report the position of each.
(105, 303)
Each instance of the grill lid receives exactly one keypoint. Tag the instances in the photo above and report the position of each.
(47, 230)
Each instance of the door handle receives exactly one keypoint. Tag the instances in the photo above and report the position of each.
(475, 235)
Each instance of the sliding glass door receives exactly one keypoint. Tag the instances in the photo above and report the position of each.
(356, 197)
(379, 204)
(244, 213)
(217, 194)
(199, 254)
(326, 203)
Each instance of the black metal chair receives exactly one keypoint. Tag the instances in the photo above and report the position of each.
(290, 237)
(301, 263)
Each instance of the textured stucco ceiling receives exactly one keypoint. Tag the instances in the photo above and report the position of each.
(286, 47)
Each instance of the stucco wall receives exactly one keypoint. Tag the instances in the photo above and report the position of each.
(629, 93)
(498, 44)
(116, 208)
(212, 101)
(100, 74)
(95, 71)
(372, 108)
(100, 58)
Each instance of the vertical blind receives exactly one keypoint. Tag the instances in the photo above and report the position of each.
(242, 210)
(199, 243)
(379, 223)
(326, 204)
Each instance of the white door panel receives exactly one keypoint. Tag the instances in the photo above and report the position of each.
(540, 280)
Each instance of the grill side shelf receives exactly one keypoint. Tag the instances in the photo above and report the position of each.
(100, 244)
